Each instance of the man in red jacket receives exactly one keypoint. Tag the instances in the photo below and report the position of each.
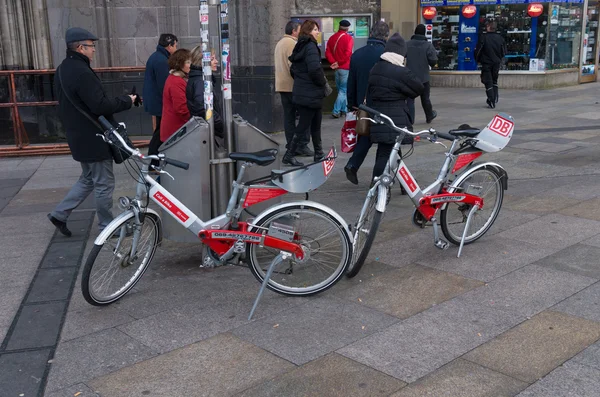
(338, 53)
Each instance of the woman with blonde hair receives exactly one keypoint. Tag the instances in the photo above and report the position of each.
(175, 110)
(195, 90)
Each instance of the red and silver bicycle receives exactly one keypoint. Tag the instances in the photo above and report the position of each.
(468, 199)
(297, 248)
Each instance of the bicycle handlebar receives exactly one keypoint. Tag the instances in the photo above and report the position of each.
(390, 123)
(110, 130)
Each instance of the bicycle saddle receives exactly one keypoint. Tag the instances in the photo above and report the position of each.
(262, 158)
(465, 130)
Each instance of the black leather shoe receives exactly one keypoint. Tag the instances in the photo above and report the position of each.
(491, 104)
(433, 116)
(291, 160)
(304, 152)
(351, 175)
(61, 226)
(319, 156)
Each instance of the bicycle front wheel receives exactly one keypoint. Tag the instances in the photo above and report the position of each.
(364, 235)
(326, 244)
(485, 183)
(111, 270)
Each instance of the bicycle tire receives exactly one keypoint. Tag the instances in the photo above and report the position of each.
(454, 235)
(360, 252)
(288, 278)
(88, 278)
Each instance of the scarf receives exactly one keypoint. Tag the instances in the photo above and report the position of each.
(393, 58)
(179, 73)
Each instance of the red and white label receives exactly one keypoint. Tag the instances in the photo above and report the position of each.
(171, 207)
(258, 195)
(465, 159)
(329, 164)
(408, 179)
(501, 126)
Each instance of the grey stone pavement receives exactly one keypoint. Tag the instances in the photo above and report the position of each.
(517, 314)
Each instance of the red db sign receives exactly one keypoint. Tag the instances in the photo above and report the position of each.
(535, 10)
(429, 12)
(502, 126)
(469, 11)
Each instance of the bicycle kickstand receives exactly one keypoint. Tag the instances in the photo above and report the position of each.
(278, 259)
(462, 241)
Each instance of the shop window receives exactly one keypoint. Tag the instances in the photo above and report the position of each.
(564, 35)
(445, 37)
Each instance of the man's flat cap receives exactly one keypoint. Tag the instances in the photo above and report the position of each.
(78, 34)
(345, 23)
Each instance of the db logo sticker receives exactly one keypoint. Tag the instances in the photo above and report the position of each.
(502, 126)
(329, 164)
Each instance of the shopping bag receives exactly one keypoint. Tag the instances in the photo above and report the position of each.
(349, 137)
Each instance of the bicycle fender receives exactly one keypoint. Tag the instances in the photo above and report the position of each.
(475, 167)
(313, 204)
(124, 216)
(381, 198)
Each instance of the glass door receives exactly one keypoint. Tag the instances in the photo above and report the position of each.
(589, 51)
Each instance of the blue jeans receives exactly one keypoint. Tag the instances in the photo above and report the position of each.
(341, 83)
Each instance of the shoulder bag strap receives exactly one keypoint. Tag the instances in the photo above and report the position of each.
(62, 87)
(336, 43)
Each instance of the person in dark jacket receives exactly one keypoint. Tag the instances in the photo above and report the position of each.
(310, 86)
(361, 63)
(155, 76)
(391, 84)
(421, 56)
(76, 81)
(490, 51)
(194, 91)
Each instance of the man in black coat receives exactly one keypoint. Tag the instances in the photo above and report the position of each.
(155, 76)
(421, 56)
(490, 51)
(79, 88)
(361, 63)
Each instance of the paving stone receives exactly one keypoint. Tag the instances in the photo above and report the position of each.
(569, 380)
(539, 204)
(577, 259)
(79, 390)
(554, 230)
(534, 348)
(92, 320)
(546, 147)
(11, 182)
(370, 270)
(63, 254)
(487, 259)
(52, 284)
(419, 345)
(584, 304)
(19, 271)
(9, 191)
(11, 298)
(589, 357)
(332, 375)
(318, 327)
(80, 230)
(463, 378)
(85, 358)
(528, 291)
(37, 326)
(21, 373)
(507, 219)
(220, 366)
(587, 209)
(408, 291)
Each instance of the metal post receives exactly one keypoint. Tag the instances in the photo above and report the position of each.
(208, 99)
(226, 83)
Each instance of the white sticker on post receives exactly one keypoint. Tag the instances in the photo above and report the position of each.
(227, 91)
(204, 9)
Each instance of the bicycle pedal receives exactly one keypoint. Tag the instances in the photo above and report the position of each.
(442, 244)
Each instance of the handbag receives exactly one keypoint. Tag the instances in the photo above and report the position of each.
(363, 126)
(119, 154)
(348, 133)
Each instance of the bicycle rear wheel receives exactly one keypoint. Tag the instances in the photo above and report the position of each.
(364, 236)
(326, 244)
(485, 183)
(110, 272)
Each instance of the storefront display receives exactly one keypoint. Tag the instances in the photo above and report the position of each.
(539, 35)
(589, 68)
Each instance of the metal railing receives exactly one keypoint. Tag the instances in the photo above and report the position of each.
(22, 146)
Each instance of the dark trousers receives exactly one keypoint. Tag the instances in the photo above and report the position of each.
(289, 120)
(155, 142)
(425, 102)
(309, 119)
(489, 78)
(381, 158)
(361, 150)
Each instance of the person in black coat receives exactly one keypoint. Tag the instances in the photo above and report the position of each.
(361, 63)
(77, 86)
(421, 56)
(391, 84)
(490, 51)
(310, 86)
(194, 91)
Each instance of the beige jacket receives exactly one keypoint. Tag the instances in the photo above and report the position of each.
(283, 79)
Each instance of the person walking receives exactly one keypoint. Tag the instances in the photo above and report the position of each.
(420, 58)
(155, 76)
(284, 84)
(338, 53)
(489, 52)
(175, 110)
(78, 87)
(310, 87)
(391, 84)
(361, 63)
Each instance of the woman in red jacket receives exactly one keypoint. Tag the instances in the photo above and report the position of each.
(175, 112)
